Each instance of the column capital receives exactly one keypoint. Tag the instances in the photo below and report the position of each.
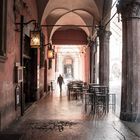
(107, 34)
(104, 33)
(129, 10)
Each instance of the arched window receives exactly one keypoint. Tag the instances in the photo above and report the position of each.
(68, 67)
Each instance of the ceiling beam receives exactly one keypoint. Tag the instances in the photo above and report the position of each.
(67, 26)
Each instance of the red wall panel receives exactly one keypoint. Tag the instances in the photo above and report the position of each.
(69, 37)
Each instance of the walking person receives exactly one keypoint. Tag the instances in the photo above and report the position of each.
(60, 81)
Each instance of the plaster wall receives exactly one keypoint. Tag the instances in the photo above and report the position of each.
(8, 113)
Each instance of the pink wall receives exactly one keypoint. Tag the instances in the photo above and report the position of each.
(69, 37)
(7, 74)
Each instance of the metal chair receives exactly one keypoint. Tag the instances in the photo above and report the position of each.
(101, 99)
(89, 100)
(75, 90)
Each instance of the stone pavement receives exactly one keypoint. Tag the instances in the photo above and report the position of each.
(56, 118)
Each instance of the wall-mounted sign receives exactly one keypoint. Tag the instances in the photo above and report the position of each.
(19, 74)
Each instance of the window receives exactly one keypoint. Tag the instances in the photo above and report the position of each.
(3, 4)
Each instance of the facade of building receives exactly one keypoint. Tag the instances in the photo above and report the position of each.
(17, 57)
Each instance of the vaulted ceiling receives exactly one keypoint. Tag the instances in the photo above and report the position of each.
(73, 13)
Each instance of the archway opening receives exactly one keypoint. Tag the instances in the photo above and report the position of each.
(116, 59)
(71, 61)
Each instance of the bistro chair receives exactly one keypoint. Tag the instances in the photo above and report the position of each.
(75, 90)
(101, 99)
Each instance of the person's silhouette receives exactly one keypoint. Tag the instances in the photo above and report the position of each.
(60, 81)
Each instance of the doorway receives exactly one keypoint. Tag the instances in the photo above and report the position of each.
(68, 71)
(27, 81)
(29, 73)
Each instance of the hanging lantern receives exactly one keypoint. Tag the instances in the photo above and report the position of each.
(50, 54)
(35, 39)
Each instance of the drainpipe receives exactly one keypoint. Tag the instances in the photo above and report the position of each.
(21, 61)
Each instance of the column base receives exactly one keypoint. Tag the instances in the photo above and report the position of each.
(130, 117)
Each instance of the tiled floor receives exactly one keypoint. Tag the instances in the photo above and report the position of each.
(56, 118)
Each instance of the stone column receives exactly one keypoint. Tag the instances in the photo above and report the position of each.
(104, 37)
(130, 100)
(93, 50)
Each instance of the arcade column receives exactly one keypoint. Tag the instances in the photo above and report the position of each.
(104, 37)
(130, 100)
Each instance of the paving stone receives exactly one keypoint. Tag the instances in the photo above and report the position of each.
(56, 118)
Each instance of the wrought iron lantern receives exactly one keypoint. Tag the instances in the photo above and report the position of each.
(50, 54)
(35, 39)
